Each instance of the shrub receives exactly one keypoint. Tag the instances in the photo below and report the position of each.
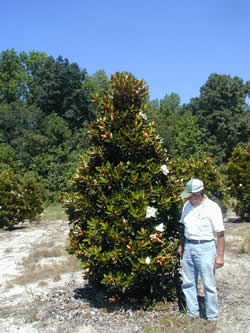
(12, 207)
(17, 205)
(239, 182)
(124, 209)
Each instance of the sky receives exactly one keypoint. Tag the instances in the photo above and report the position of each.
(174, 45)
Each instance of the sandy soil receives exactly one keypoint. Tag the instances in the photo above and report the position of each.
(47, 305)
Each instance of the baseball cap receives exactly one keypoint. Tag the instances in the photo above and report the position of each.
(192, 186)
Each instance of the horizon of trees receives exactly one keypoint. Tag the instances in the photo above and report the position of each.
(46, 106)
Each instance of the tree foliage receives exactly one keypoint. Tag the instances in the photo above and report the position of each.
(179, 129)
(46, 106)
(122, 248)
(12, 77)
(238, 170)
(57, 87)
(17, 203)
(221, 114)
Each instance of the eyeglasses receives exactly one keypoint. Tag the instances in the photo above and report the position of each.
(194, 195)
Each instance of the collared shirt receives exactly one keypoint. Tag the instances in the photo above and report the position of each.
(202, 221)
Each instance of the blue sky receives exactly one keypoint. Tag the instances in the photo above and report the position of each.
(173, 45)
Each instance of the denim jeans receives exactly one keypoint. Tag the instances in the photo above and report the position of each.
(200, 259)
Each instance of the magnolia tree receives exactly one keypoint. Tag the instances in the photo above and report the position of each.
(239, 182)
(124, 205)
(18, 203)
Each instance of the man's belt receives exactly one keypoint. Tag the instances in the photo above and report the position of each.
(196, 241)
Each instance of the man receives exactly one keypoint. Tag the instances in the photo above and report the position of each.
(201, 247)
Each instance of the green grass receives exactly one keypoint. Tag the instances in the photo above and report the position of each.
(54, 212)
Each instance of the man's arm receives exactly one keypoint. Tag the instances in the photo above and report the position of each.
(181, 246)
(219, 262)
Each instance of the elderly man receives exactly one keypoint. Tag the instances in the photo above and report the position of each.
(201, 247)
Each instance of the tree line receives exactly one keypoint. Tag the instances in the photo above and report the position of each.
(46, 106)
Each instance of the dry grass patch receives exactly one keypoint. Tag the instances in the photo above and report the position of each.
(60, 262)
(238, 239)
(181, 323)
(37, 254)
(37, 272)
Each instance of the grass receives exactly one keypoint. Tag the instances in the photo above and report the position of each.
(238, 240)
(180, 323)
(60, 262)
(37, 272)
(45, 250)
(47, 259)
(54, 212)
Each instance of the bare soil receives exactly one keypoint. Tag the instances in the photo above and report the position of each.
(43, 293)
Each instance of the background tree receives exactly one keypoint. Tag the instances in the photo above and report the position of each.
(97, 84)
(124, 210)
(179, 129)
(187, 136)
(32, 62)
(7, 157)
(202, 167)
(164, 113)
(20, 127)
(12, 77)
(57, 87)
(221, 114)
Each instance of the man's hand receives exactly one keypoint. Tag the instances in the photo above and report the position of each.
(219, 262)
(180, 250)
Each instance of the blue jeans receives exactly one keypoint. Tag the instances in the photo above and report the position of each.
(200, 259)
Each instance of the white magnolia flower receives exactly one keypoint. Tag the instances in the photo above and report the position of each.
(147, 261)
(160, 227)
(164, 169)
(143, 115)
(151, 212)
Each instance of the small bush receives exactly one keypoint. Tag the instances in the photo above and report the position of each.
(239, 181)
(17, 205)
(12, 207)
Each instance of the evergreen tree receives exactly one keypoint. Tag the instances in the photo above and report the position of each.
(238, 170)
(222, 114)
(124, 207)
(12, 204)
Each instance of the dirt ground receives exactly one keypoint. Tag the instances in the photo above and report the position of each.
(60, 301)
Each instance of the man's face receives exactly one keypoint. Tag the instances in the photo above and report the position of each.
(195, 199)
